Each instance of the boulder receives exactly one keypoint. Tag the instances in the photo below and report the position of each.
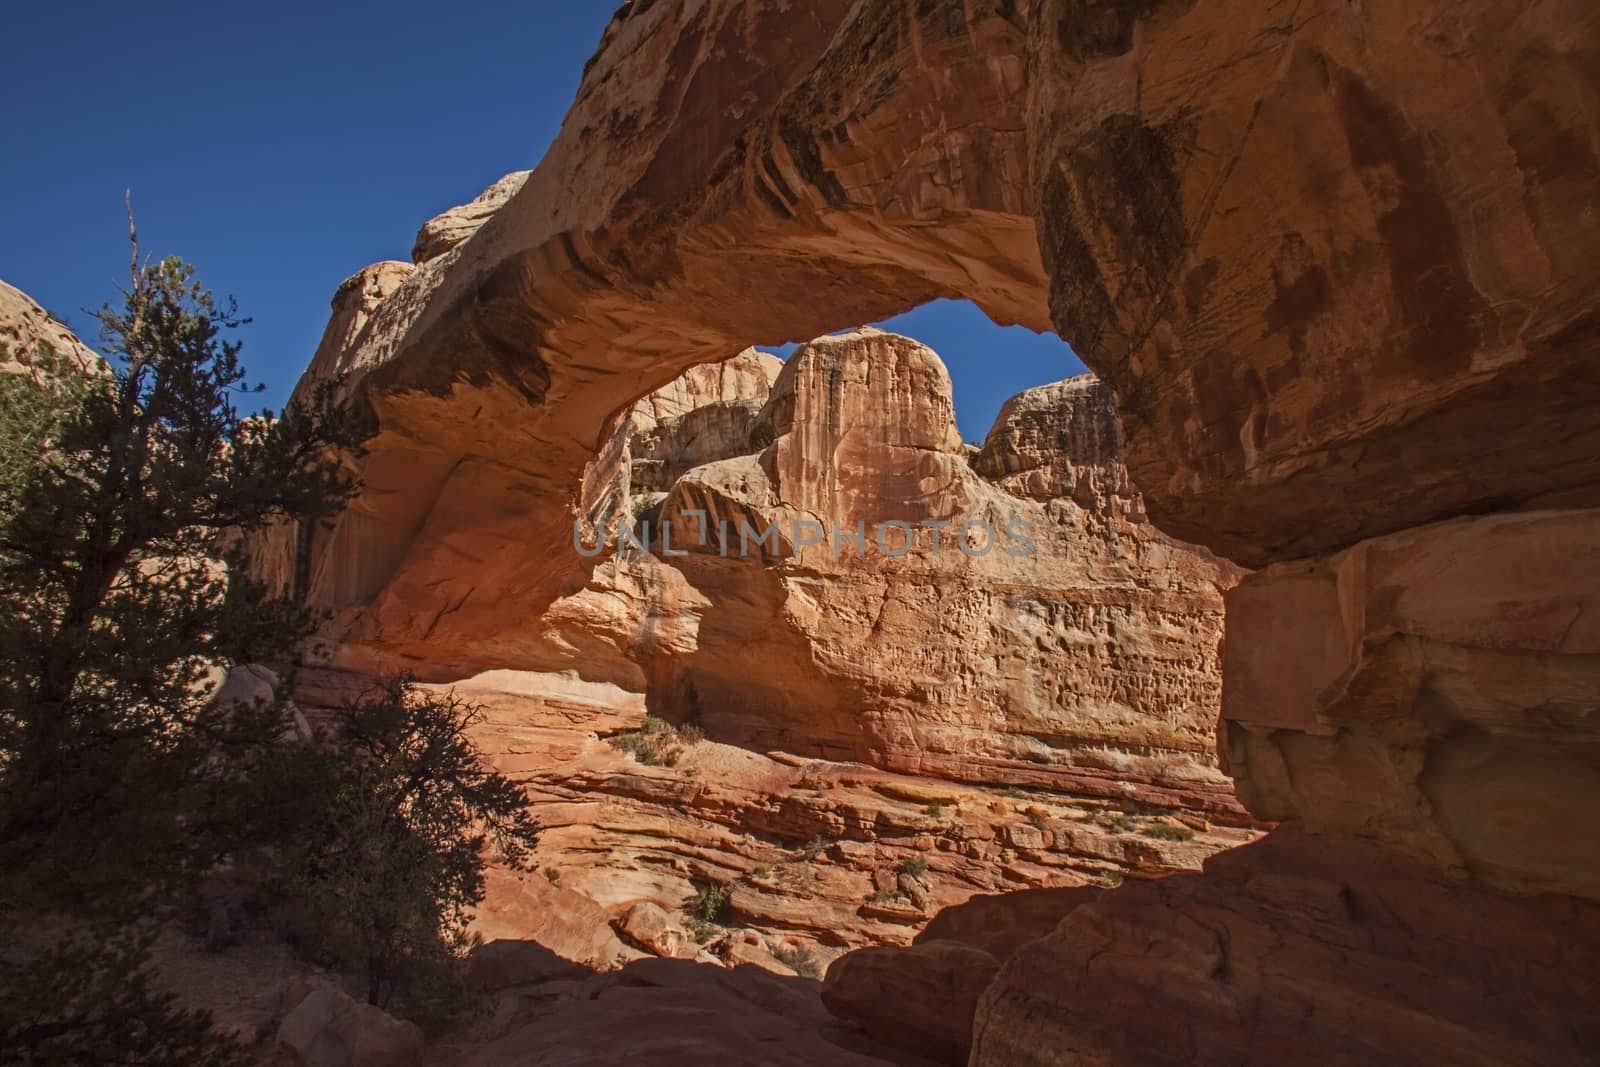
(329, 1029)
(650, 927)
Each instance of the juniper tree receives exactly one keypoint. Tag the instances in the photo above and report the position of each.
(119, 778)
(122, 601)
(392, 846)
(36, 393)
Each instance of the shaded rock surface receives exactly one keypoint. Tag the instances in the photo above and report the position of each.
(1302, 945)
(667, 1012)
(1001, 923)
(920, 998)
(1433, 690)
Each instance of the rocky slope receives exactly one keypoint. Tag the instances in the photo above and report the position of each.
(812, 860)
(819, 854)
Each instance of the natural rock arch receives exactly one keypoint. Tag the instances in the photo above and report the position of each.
(769, 176)
(1336, 261)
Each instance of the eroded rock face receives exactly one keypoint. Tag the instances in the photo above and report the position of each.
(1326, 277)
(1062, 440)
(546, 364)
(921, 655)
(1294, 264)
(705, 414)
(911, 596)
(815, 857)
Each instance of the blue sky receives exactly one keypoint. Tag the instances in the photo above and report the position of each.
(281, 147)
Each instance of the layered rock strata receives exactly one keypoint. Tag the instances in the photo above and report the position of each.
(816, 857)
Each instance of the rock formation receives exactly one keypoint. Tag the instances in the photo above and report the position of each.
(1062, 440)
(915, 646)
(914, 624)
(25, 326)
(703, 415)
(1335, 263)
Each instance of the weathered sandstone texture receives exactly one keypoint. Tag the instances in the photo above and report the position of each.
(25, 326)
(1434, 690)
(1062, 440)
(935, 624)
(445, 231)
(1237, 220)
(1335, 263)
(705, 414)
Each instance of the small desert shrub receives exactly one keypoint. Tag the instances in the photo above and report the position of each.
(1118, 822)
(704, 912)
(1164, 831)
(887, 896)
(935, 810)
(654, 745)
(913, 866)
(762, 870)
(709, 904)
(799, 959)
(814, 848)
(1111, 879)
(639, 506)
(553, 875)
(691, 733)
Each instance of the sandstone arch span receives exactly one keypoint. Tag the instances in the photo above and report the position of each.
(1336, 261)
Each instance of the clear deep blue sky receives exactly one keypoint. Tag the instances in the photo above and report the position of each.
(281, 147)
